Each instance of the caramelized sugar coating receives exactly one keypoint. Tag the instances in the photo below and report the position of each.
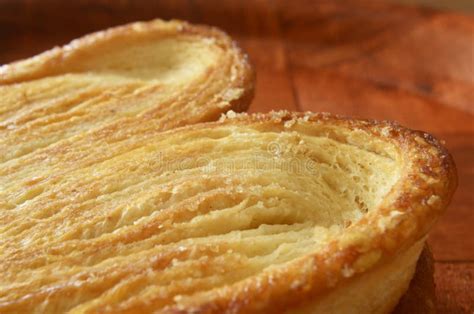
(252, 214)
(134, 78)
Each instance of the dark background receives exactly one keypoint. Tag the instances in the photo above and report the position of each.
(361, 58)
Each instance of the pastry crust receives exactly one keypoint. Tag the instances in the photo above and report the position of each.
(264, 213)
(421, 295)
(374, 291)
(153, 74)
(359, 296)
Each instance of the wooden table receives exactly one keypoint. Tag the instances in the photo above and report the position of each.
(360, 58)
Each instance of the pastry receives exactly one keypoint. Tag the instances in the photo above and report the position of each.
(420, 297)
(265, 213)
(155, 75)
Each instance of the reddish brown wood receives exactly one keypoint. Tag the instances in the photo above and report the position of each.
(359, 58)
(455, 287)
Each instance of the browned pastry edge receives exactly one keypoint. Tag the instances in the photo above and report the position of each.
(429, 171)
(245, 79)
(52, 61)
(420, 297)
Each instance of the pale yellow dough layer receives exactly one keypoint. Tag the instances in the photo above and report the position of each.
(252, 214)
(146, 75)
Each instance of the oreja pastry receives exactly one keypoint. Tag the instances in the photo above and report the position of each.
(420, 297)
(155, 75)
(265, 213)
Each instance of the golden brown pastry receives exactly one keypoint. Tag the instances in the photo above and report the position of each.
(420, 297)
(276, 213)
(145, 75)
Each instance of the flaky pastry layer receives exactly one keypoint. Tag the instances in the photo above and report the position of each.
(141, 77)
(252, 214)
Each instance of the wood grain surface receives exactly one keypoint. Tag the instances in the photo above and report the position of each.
(360, 58)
